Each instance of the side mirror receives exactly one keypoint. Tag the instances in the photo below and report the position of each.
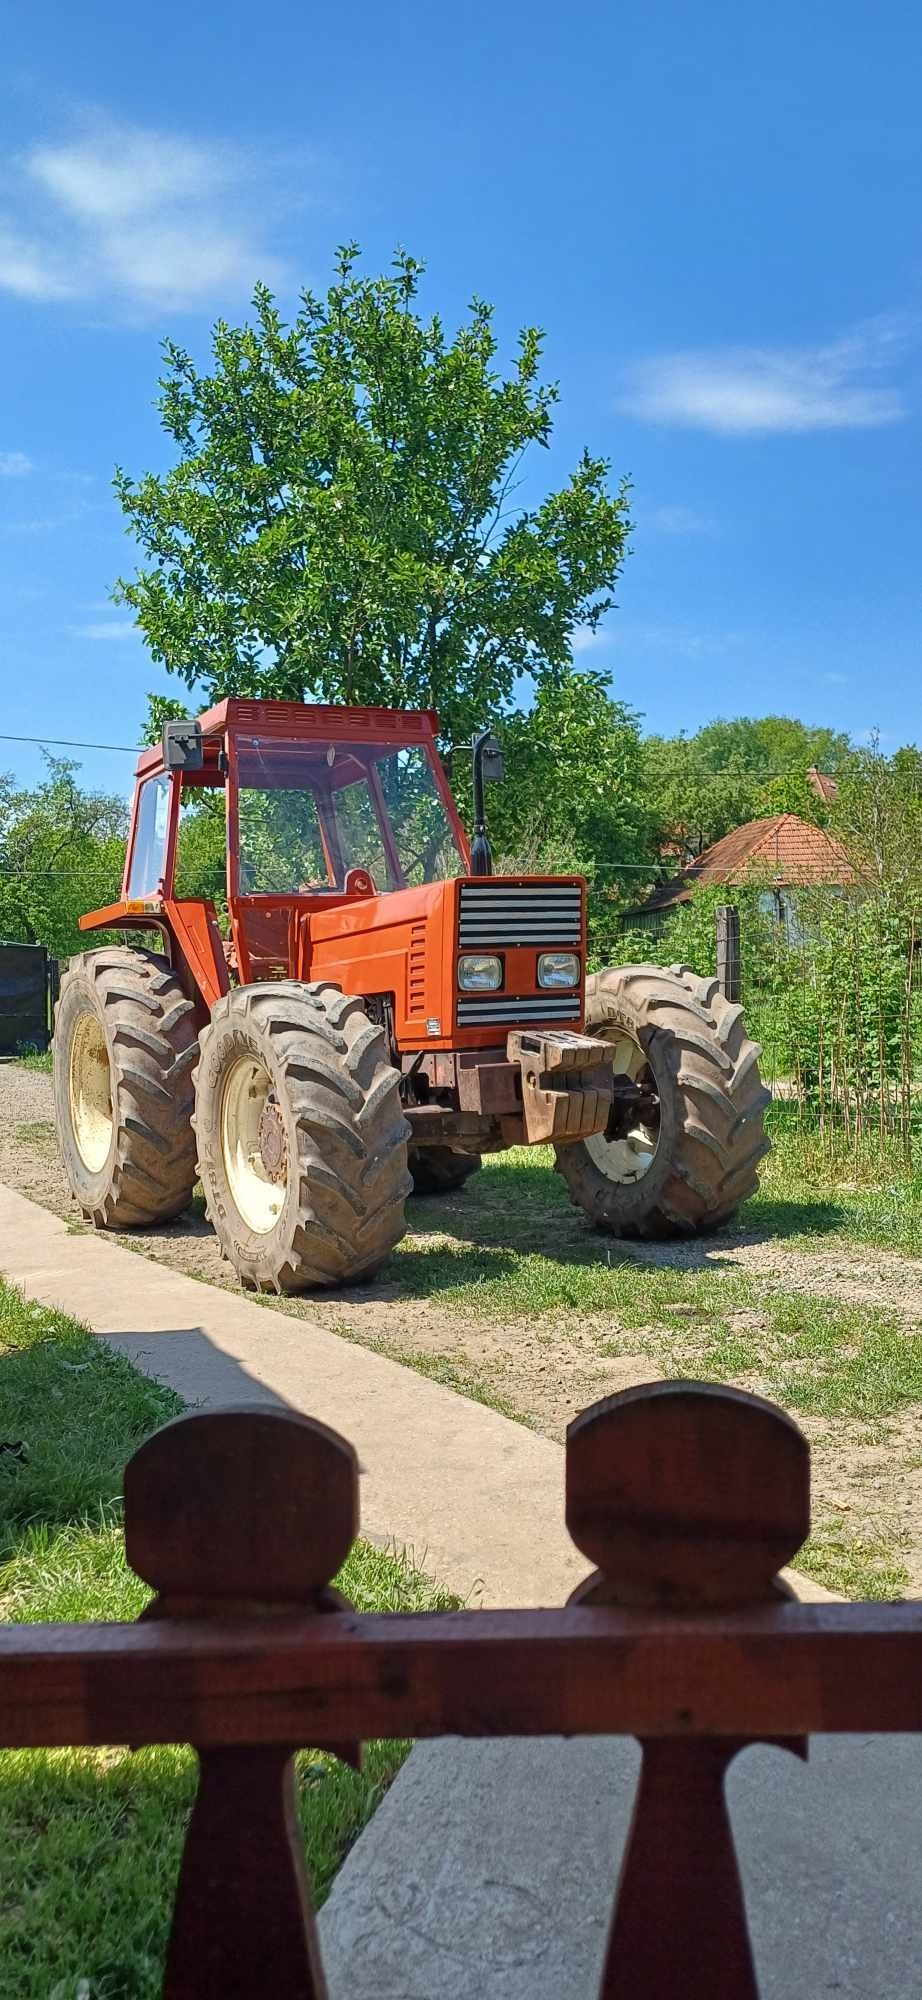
(183, 749)
(492, 767)
(488, 763)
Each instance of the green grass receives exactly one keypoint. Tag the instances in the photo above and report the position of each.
(854, 1563)
(813, 1184)
(73, 1411)
(37, 1132)
(91, 1840)
(33, 1059)
(813, 1353)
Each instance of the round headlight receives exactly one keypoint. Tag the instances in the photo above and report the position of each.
(558, 968)
(480, 972)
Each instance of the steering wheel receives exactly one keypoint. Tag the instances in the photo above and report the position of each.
(359, 882)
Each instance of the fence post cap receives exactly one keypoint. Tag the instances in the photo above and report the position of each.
(244, 1503)
(685, 1494)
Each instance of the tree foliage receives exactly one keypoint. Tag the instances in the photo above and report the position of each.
(572, 799)
(735, 770)
(341, 521)
(834, 992)
(61, 854)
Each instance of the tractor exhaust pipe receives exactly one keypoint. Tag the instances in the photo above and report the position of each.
(488, 766)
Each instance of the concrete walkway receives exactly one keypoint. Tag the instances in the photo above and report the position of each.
(489, 1870)
(476, 1499)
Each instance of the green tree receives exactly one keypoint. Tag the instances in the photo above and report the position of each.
(573, 775)
(878, 818)
(734, 770)
(61, 854)
(341, 522)
(572, 800)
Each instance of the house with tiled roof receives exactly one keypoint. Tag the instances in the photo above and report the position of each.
(826, 788)
(781, 854)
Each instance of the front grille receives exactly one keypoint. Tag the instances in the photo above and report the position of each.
(548, 916)
(553, 1007)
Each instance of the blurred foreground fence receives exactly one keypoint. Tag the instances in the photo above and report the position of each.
(687, 1498)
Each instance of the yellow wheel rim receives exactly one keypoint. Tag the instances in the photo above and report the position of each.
(628, 1159)
(258, 1195)
(90, 1090)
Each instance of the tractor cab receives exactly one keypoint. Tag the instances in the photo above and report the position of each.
(323, 806)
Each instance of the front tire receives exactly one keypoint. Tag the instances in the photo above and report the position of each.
(124, 1047)
(691, 1154)
(302, 1141)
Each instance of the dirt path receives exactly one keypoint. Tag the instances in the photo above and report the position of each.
(544, 1369)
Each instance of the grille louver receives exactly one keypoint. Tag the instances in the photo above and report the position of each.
(552, 1007)
(493, 916)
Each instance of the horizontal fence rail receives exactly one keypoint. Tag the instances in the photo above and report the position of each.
(792, 1670)
(688, 1498)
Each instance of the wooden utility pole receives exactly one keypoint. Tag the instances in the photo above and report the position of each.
(728, 950)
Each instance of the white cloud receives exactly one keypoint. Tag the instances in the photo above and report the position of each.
(752, 391)
(584, 640)
(121, 172)
(114, 629)
(80, 508)
(139, 217)
(14, 464)
(679, 640)
(836, 680)
(682, 521)
(28, 270)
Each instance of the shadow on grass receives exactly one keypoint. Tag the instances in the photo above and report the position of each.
(72, 1414)
(91, 1840)
(519, 1207)
(478, 1235)
(524, 1208)
(768, 1215)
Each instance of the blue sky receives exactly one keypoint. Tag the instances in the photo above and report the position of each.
(713, 212)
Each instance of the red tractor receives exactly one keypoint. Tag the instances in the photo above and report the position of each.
(382, 1012)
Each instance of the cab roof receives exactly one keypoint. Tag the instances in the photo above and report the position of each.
(303, 721)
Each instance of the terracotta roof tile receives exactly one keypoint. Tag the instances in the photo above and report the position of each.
(785, 850)
(825, 787)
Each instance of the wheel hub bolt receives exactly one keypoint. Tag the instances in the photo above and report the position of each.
(273, 1146)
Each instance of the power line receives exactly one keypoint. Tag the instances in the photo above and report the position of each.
(678, 770)
(70, 743)
(600, 867)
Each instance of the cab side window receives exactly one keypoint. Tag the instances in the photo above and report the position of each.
(148, 853)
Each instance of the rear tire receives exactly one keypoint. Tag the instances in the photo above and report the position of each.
(302, 1141)
(687, 1172)
(124, 1049)
(438, 1169)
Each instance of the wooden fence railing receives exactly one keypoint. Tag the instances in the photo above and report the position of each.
(687, 1498)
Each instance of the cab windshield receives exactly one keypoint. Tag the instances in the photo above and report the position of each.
(310, 812)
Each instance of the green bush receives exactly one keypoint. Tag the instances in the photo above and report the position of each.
(830, 992)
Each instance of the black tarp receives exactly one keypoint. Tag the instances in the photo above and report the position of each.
(23, 997)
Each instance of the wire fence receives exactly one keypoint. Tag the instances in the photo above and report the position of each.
(831, 983)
